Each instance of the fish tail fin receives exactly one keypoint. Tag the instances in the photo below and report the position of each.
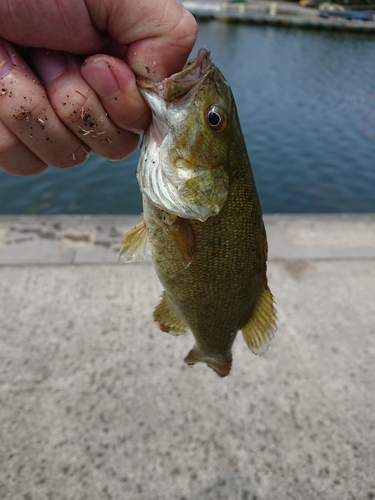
(259, 330)
(167, 318)
(221, 366)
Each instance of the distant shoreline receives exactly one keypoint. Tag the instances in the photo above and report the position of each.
(283, 14)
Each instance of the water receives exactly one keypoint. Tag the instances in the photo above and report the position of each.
(306, 101)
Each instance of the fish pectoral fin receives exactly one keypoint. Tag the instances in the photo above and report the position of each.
(167, 318)
(259, 330)
(221, 365)
(184, 240)
(134, 244)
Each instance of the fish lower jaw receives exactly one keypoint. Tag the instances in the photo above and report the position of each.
(220, 364)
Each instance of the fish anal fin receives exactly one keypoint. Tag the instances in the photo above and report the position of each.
(167, 318)
(221, 365)
(260, 328)
(184, 239)
(134, 244)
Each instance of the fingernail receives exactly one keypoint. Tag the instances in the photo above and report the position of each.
(6, 63)
(49, 64)
(97, 73)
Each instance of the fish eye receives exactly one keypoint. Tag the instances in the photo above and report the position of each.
(216, 118)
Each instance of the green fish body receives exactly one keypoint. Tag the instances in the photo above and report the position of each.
(202, 220)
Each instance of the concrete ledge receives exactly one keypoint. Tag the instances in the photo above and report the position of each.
(61, 239)
(324, 236)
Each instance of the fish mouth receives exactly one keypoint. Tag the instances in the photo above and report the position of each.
(177, 86)
(175, 89)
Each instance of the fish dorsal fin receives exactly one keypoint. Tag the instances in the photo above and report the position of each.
(259, 330)
(167, 318)
(184, 240)
(134, 244)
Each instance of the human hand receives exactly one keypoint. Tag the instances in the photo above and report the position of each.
(53, 109)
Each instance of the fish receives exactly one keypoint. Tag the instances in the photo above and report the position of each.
(202, 221)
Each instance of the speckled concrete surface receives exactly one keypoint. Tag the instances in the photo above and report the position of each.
(96, 403)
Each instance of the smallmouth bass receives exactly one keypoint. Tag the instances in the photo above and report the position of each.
(202, 220)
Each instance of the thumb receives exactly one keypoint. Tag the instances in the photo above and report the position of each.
(159, 35)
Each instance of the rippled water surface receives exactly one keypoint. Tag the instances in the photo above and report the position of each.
(306, 101)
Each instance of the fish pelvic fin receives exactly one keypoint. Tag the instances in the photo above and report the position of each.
(167, 318)
(221, 365)
(259, 330)
(134, 244)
